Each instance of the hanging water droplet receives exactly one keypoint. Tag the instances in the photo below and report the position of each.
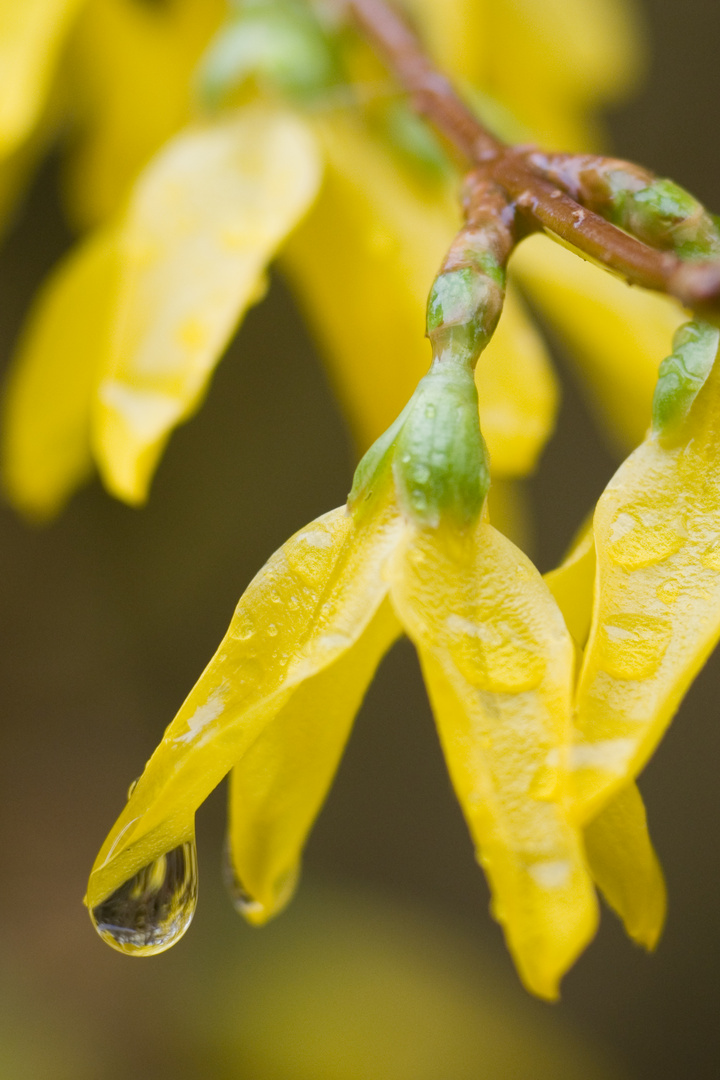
(152, 910)
(244, 903)
(133, 786)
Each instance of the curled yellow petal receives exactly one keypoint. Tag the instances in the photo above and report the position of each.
(620, 853)
(517, 392)
(573, 583)
(623, 862)
(615, 334)
(657, 601)
(46, 423)
(206, 217)
(278, 788)
(498, 662)
(32, 33)
(305, 610)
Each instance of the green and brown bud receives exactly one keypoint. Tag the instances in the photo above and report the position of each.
(682, 375)
(656, 211)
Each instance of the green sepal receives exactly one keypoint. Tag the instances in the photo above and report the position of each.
(374, 466)
(436, 452)
(280, 42)
(682, 375)
(441, 466)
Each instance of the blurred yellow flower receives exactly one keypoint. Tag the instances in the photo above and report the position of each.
(377, 227)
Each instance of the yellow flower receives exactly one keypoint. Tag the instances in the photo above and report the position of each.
(657, 538)
(276, 703)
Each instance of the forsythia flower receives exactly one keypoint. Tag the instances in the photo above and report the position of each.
(413, 551)
(276, 703)
(301, 157)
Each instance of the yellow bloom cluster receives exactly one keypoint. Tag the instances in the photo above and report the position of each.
(549, 694)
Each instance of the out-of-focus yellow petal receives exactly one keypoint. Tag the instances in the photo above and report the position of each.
(517, 392)
(46, 428)
(206, 217)
(595, 57)
(624, 864)
(617, 335)
(657, 601)
(32, 33)
(308, 606)
(279, 786)
(362, 264)
(573, 584)
(456, 32)
(511, 512)
(132, 70)
(620, 853)
(498, 662)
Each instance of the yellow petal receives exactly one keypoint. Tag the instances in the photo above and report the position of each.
(307, 608)
(572, 584)
(620, 853)
(46, 429)
(498, 662)
(278, 788)
(456, 31)
(362, 264)
(206, 217)
(616, 335)
(657, 603)
(595, 58)
(32, 33)
(517, 392)
(132, 79)
(624, 864)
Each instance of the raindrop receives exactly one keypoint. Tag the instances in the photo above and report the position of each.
(152, 910)
(132, 787)
(243, 902)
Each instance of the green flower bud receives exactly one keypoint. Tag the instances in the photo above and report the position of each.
(682, 374)
(666, 215)
(436, 452)
(279, 41)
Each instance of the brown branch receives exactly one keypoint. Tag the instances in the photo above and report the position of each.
(534, 182)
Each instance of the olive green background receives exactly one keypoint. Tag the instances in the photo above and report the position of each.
(109, 615)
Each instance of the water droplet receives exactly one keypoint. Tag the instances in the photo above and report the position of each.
(152, 910)
(244, 629)
(272, 629)
(494, 656)
(132, 787)
(244, 903)
(668, 590)
(545, 783)
(641, 539)
(632, 646)
(711, 556)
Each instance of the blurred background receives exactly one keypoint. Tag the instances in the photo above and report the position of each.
(388, 964)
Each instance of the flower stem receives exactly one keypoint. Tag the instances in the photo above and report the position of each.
(545, 195)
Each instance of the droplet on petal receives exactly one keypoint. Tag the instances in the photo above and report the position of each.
(152, 910)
